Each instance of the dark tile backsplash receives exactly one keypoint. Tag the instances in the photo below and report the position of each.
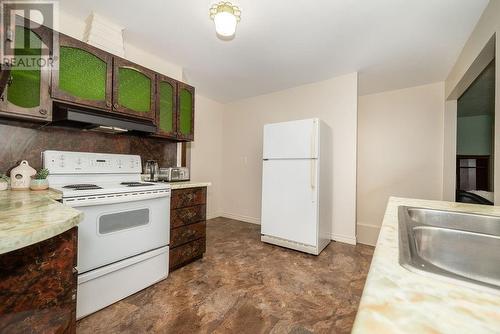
(23, 141)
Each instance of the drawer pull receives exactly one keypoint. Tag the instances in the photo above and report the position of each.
(189, 215)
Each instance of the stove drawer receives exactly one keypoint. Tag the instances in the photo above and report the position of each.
(182, 198)
(186, 216)
(185, 234)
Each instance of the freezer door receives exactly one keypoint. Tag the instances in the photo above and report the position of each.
(290, 200)
(291, 140)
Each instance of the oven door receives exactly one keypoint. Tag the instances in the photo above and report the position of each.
(113, 232)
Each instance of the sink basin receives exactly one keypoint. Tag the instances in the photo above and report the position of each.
(458, 245)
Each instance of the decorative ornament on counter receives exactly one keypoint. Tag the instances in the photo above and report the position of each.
(20, 176)
(4, 182)
(39, 181)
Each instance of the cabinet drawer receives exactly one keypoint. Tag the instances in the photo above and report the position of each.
(186, 253)
(185, 216)
(185, 234)
(182, 198)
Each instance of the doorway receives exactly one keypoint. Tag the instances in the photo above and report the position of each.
(475, 140)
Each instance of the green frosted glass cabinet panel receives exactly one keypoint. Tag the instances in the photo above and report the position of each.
(82, 74)
(134, 90)
(24, 90)
(186, 111)
(166, 92)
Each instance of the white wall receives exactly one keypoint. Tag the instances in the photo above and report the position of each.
(468, 66)
(335, 102)
(400, 151)
(206, 150)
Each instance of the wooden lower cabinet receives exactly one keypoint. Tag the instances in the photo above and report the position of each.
(38, 287)
(187, 226)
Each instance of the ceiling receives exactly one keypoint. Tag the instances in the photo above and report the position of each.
(281, 43)
(479, 98)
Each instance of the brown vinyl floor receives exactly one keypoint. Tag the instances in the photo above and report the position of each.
(245, 286)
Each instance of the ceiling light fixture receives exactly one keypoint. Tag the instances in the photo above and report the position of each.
(225, 16)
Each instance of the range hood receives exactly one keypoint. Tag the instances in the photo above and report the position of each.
(98, 120)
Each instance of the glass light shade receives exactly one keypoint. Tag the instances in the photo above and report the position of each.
(225, 24)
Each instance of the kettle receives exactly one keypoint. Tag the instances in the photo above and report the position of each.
(152, 170)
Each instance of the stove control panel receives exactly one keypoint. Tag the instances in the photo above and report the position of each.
(63, 162)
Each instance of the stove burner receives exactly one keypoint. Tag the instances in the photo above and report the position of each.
(82, 186)
(136, 184)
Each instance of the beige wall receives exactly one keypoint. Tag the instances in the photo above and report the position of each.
(75, 27)
(469, 64)
(335, 102)
(206, 150)
(400, 151)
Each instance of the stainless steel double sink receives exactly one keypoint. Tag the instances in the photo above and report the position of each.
(459, 245)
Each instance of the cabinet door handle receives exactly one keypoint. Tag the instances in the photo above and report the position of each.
(115, 105)
(189, 215)
(43, 111)
(10, 36)
(108, 104)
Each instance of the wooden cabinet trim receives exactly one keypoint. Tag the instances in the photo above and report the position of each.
(119, 63)
(42, 112)
(106, 57)
(160, 133)
(180, 136)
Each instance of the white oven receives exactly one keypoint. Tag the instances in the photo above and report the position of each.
(112, 232)
(122, 248)
(124, 235)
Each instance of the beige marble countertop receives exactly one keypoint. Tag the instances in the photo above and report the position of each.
(188, 184)
(28, 217)
(396, 300)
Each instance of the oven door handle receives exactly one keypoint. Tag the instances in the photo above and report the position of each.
(113, 198)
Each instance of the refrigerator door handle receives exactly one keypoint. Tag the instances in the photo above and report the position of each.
(313, 173)
(313, 140)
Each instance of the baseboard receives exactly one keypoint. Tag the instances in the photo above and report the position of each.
(346, 239)
(367, 233)
(213, 215)
(246, 219)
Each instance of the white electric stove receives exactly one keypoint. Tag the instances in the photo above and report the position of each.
(124, 236)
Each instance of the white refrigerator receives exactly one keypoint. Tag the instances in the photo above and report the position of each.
(297, 185)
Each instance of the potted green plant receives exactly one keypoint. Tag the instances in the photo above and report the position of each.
(39, 180)
(4, 182)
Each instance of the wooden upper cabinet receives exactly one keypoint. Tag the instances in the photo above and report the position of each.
(83, 74)
(133, 89)
(26, 93)
(185, 107)
(166, 106)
